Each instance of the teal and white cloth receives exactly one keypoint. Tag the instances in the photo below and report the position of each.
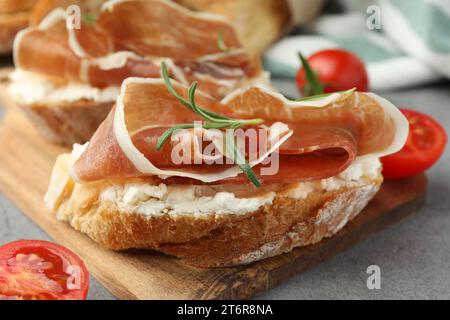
(412, 47)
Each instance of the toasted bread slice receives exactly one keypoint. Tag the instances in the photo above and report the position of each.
(209, 226)
(67, 123)
(64, 113)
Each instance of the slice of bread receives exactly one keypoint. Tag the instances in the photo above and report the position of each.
(67, 123)
(209, 226)
(65, 113)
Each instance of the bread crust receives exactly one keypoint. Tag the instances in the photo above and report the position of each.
(207, 240)
(258, 23)
(67, 123)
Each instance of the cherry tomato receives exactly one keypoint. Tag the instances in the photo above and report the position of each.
(425, 145)
(41, 270)
(337, 70)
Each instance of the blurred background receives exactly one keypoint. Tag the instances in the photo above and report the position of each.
(403, 43)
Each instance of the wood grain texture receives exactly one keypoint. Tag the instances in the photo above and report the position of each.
(25, 164)
(5, 98)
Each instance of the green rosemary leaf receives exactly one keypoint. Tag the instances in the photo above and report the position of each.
(166, 135)
(213, 114)
(208, 116)
(315, 86)
(215, 125)
(239, 159)
(221, 42)
(250, 174)
(191, 105)
(166, 78)
(186, 103)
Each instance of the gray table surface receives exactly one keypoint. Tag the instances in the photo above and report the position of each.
(414, 255)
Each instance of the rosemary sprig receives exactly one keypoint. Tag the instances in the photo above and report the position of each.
(212, 121)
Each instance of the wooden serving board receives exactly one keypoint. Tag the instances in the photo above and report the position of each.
(5, 99)
(26, 161)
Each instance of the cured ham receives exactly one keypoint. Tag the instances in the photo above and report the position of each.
(315, 139)
(116, 47)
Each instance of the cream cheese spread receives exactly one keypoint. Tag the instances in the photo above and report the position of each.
(29, 88)
(151, 200)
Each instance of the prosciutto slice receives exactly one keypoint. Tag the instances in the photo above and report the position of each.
(315, 139)
(130, 38)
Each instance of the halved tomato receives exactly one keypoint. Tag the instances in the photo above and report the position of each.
(425, 145)
(41, 270)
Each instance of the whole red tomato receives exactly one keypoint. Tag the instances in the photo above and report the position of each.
(336, 70)
(425, 145)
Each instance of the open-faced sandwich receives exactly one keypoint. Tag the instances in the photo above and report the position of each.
(224, 183)
(69, 72)
(14, 15)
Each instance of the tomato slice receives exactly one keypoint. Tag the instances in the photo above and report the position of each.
(425, 145)
(41, 270)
